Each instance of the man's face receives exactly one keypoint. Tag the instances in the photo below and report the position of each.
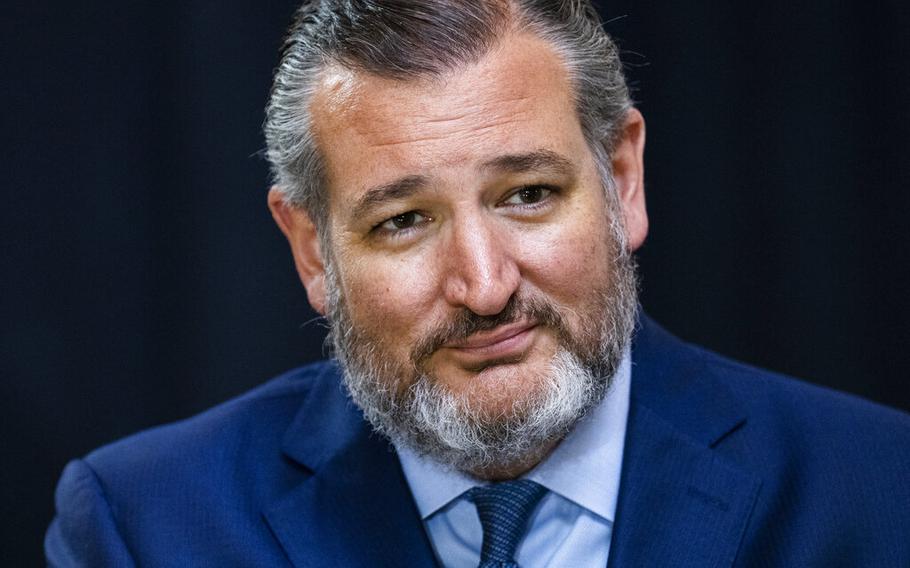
(469, 240)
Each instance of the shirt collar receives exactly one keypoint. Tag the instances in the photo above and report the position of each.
(584, 468)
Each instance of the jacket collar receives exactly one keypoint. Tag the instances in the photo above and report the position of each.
(354, 508)
(681, 503)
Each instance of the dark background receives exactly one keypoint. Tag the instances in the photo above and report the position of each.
(143, 279)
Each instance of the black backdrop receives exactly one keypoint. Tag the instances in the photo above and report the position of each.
(143, 280)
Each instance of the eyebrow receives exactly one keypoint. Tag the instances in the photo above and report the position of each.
(401, 188)
(537, 160)
(407, 186)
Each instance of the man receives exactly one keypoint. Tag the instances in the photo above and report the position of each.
(461, 184)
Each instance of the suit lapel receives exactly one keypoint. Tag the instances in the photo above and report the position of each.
(681, 503)
(356, 508)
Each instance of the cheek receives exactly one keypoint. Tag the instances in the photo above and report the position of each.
(568, 262)
(389, 298)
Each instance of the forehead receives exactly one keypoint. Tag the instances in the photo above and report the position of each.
(371, 129)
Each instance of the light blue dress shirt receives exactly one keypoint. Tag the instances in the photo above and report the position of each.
(572, 525)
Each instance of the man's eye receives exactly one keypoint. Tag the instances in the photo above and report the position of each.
(529, 195)
(402, 222)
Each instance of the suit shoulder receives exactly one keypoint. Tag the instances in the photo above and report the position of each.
(812, 435)
(255, 419)
(832, 467)
(185, 491)
(677, 366)
(803, 402)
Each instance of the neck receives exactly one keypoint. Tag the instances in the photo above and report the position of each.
(514, 470)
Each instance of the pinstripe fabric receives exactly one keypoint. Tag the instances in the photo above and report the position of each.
(504, 509)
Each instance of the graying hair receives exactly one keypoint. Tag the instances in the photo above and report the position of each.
(407, 39)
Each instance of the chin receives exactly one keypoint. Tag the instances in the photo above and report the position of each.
(487, 423)
(500, 390)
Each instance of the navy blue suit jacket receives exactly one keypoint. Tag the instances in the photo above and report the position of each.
(725, 465)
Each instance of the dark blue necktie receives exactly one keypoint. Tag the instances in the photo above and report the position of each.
(504, 509)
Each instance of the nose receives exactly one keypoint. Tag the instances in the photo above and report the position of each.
(480, 272)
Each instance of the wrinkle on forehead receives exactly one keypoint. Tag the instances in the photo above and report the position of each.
(375, 114)
(342, 90)
(444, 117)
(469, 129)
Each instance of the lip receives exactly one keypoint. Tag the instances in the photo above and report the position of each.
(508, 341)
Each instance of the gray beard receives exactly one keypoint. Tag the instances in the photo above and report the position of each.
(412, 408)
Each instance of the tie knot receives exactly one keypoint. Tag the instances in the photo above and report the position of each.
(504, 509)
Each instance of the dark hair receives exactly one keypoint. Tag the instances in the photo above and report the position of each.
(404, 39)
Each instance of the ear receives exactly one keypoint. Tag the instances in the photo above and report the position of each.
(300, 232)
(629, 176)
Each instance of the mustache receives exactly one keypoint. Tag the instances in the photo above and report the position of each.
(465, 323)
